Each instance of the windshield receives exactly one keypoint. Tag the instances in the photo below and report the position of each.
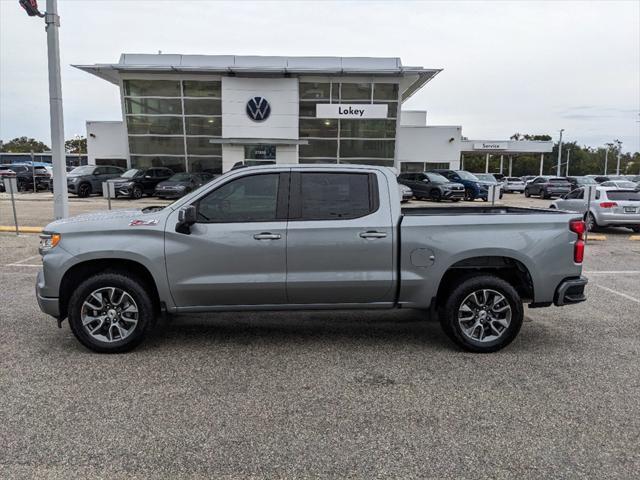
(623, 195)
(134, 172)
(486, 177)
(180, 177)
(558, 180)
(436, 178)
(626, 185)
(84, 170)
(467, 176)
(514, 179)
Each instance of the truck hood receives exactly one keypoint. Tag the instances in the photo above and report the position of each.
(108, 220)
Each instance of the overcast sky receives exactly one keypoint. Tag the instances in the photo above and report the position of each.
(529, 67)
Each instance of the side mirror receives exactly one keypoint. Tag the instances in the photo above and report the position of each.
(187, 216)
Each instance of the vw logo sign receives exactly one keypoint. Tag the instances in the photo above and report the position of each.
(258, 109)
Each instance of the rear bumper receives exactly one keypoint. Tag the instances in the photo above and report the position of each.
(606, 219)
(570, 291)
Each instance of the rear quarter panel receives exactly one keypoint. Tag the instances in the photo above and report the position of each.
(543, 243)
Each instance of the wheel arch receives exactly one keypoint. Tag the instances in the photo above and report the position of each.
(80, 271)
(510, 269)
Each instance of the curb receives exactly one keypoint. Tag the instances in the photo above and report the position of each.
(635, 238)
(596, 237)
(4, 228)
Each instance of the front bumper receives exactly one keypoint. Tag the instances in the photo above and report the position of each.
(451, 194)
(570, 291)
(49, 305)
(181, 193)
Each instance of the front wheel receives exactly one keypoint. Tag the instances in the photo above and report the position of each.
(636, 229)
(110, 313)
(84, 190)
(136, 193)
(469, 195)
(436, 195)
(482, 314)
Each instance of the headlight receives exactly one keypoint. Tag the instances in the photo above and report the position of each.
(48, 241)
(73, 179)
(180, 187)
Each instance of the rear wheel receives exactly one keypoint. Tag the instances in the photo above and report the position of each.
(482, 314)
(527, 194)
(110, 313)
(590, 220)
(544, 194)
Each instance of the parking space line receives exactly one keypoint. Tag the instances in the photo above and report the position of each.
(22, 265)
(623, 295)
(612, 272)
(27, 259)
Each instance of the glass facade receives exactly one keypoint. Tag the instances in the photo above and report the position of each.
(368, 141)
(172, 122)
(178, 124)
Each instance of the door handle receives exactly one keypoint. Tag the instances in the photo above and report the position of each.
(267, 236)
(372, 234)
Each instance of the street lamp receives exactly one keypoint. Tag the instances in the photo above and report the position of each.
(58, 157)
(559, 153)
(619, 154)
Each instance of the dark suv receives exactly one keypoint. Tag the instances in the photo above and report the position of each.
(25, 176)
(140, 181)
(87, 179)
(432, 185)
(473, 187)
(547, 186)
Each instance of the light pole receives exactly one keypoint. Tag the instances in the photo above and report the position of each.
(559, 153)
(619, 154)
(58, 157)
(606, 157)
(568, 157)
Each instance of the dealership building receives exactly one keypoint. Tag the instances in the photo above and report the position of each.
(210, 112)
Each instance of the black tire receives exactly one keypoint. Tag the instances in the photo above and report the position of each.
(84, 190)
(526, 193)
(636, 229)
(135, 288)
(469, 196)
(590, 221)
(544, 194)
(455, 199)
(449, 313)
(436, 195)
(136, 192)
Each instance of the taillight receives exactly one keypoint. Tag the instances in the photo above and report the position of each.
(608, 204)
(578, 227)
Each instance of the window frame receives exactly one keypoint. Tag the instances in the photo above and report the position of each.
(282, 198)
(295, 196)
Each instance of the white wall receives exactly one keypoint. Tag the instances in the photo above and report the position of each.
(232, 154)
(282, 95)
(429, 144)
(413, 118)
(106, 140)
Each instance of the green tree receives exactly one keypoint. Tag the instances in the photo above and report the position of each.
(24, 145)
(76, 145)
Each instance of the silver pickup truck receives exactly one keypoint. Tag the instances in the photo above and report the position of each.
(301, 237)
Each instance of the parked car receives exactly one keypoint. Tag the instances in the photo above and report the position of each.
(547, 186)
(473, 188)
(25, 175)
(308, 236)
(87, 179)
(513, 184)
(432, 185)
(136, 182)
(405, 192)
(5, 172)
(527, 178)
(621, 184)
(581, 181)
(252, 163)
(488, 179)
(611, 207)
(180, 184)
(634, 178)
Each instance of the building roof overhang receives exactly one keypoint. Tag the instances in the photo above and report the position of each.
(414, 77)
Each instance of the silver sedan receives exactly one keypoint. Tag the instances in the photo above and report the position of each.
(611, 207)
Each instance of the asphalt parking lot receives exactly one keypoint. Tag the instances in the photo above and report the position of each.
(323, 394)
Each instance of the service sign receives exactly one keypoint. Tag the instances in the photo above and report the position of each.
(491, 146)
(351, 110)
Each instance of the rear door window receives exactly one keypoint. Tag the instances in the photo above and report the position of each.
(333, 196)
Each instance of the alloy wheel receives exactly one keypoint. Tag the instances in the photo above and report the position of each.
(109, 314)
(484, 315)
